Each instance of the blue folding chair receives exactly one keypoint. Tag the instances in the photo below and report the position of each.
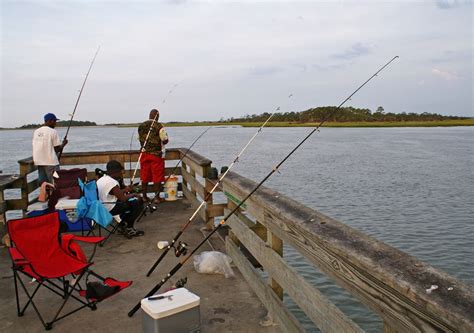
(90, 207)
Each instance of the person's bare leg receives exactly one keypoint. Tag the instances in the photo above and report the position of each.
(158, 188)
(145, 191)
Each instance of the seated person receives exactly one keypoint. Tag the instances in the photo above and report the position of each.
(118, 201)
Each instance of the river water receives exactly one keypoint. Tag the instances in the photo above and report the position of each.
(412, 188)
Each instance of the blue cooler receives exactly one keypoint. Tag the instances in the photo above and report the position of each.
(37, 209)
(68, 214)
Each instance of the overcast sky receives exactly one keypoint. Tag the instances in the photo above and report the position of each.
(231, 58)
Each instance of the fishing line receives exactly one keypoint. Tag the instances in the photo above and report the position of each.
(148, 134)
(208, 196)
(130, 151)
(157, 193)
(274, 169)
(77, 101)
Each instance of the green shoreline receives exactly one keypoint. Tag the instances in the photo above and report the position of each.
(366, 124)
(440, 123)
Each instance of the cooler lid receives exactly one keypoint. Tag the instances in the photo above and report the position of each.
(182, 300)
(37, 206)
(67, 203)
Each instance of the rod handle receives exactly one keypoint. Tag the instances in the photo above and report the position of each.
(158, 261)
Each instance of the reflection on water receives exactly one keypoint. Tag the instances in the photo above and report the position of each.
(412, 188)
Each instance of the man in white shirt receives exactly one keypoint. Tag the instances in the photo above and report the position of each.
(118, 201)
(46, 146)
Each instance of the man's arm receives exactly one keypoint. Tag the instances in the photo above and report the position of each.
(120, 194)
(60, 148)
(163, 136)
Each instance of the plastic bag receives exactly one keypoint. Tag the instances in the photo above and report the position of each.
(213, 262)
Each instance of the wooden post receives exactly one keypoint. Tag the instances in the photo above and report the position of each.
(24, 186)
(184, 169)
(276, 245)
(231, 206)
(209, 202)
(192, 172)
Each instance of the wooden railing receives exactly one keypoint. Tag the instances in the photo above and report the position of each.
(194, 171)
(390, 282)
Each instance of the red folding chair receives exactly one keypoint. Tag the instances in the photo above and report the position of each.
(60, 266)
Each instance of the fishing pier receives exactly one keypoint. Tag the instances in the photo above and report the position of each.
(389, 282)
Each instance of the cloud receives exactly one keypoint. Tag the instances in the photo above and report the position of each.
(331, 67)
(447, 4)
(356, 50)
(454, 56)
(176, 2)
(445, 75)
(302, 67)
(265, 70)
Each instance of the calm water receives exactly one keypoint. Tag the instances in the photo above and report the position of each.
(412, 188)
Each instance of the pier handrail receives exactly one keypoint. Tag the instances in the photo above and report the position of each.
(193, 173)
(390, 282)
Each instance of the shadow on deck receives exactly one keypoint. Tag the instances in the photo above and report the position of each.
(227, 305)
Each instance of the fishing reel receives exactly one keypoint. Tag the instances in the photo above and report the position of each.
(151, 207)
(181, 283)
(179, 249)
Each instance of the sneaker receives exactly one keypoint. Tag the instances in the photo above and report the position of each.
(132, 232)
(129, 232)
(122, 230)
(138, 232)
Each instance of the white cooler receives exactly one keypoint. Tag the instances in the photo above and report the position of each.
(177, 315)
(69, 206)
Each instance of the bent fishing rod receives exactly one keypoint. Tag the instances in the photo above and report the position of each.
(274, 169)
(208, 196)
(157, 193)
(142, 148)
(78, 98)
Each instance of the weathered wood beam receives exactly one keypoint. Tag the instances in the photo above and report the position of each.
(196, 187)
(16, 204)
(195, 203)
(284, 318)
(214, 210)
(10, 181)
(196, 162)
(389, 281)
(317, 307)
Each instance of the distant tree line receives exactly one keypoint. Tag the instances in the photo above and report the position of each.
(345, 114)
(63, 123)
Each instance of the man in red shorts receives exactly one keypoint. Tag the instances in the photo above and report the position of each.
(152, 163)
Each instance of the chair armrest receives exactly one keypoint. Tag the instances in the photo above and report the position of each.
(16, 256)
(88, 239)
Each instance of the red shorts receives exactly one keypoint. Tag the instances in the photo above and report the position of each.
(152, 168)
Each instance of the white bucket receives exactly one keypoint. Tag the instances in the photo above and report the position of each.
(171, 188)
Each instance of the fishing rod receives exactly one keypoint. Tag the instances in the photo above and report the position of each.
(274, 169)
(77, 101)
(181, 245)
(157, 193)
(142, 148)
(130, 151)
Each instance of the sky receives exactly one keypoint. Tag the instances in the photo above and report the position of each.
(231, 58)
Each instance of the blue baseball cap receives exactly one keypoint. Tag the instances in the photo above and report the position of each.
(50, 116)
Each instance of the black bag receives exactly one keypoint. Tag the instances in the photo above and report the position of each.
(97, 290)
